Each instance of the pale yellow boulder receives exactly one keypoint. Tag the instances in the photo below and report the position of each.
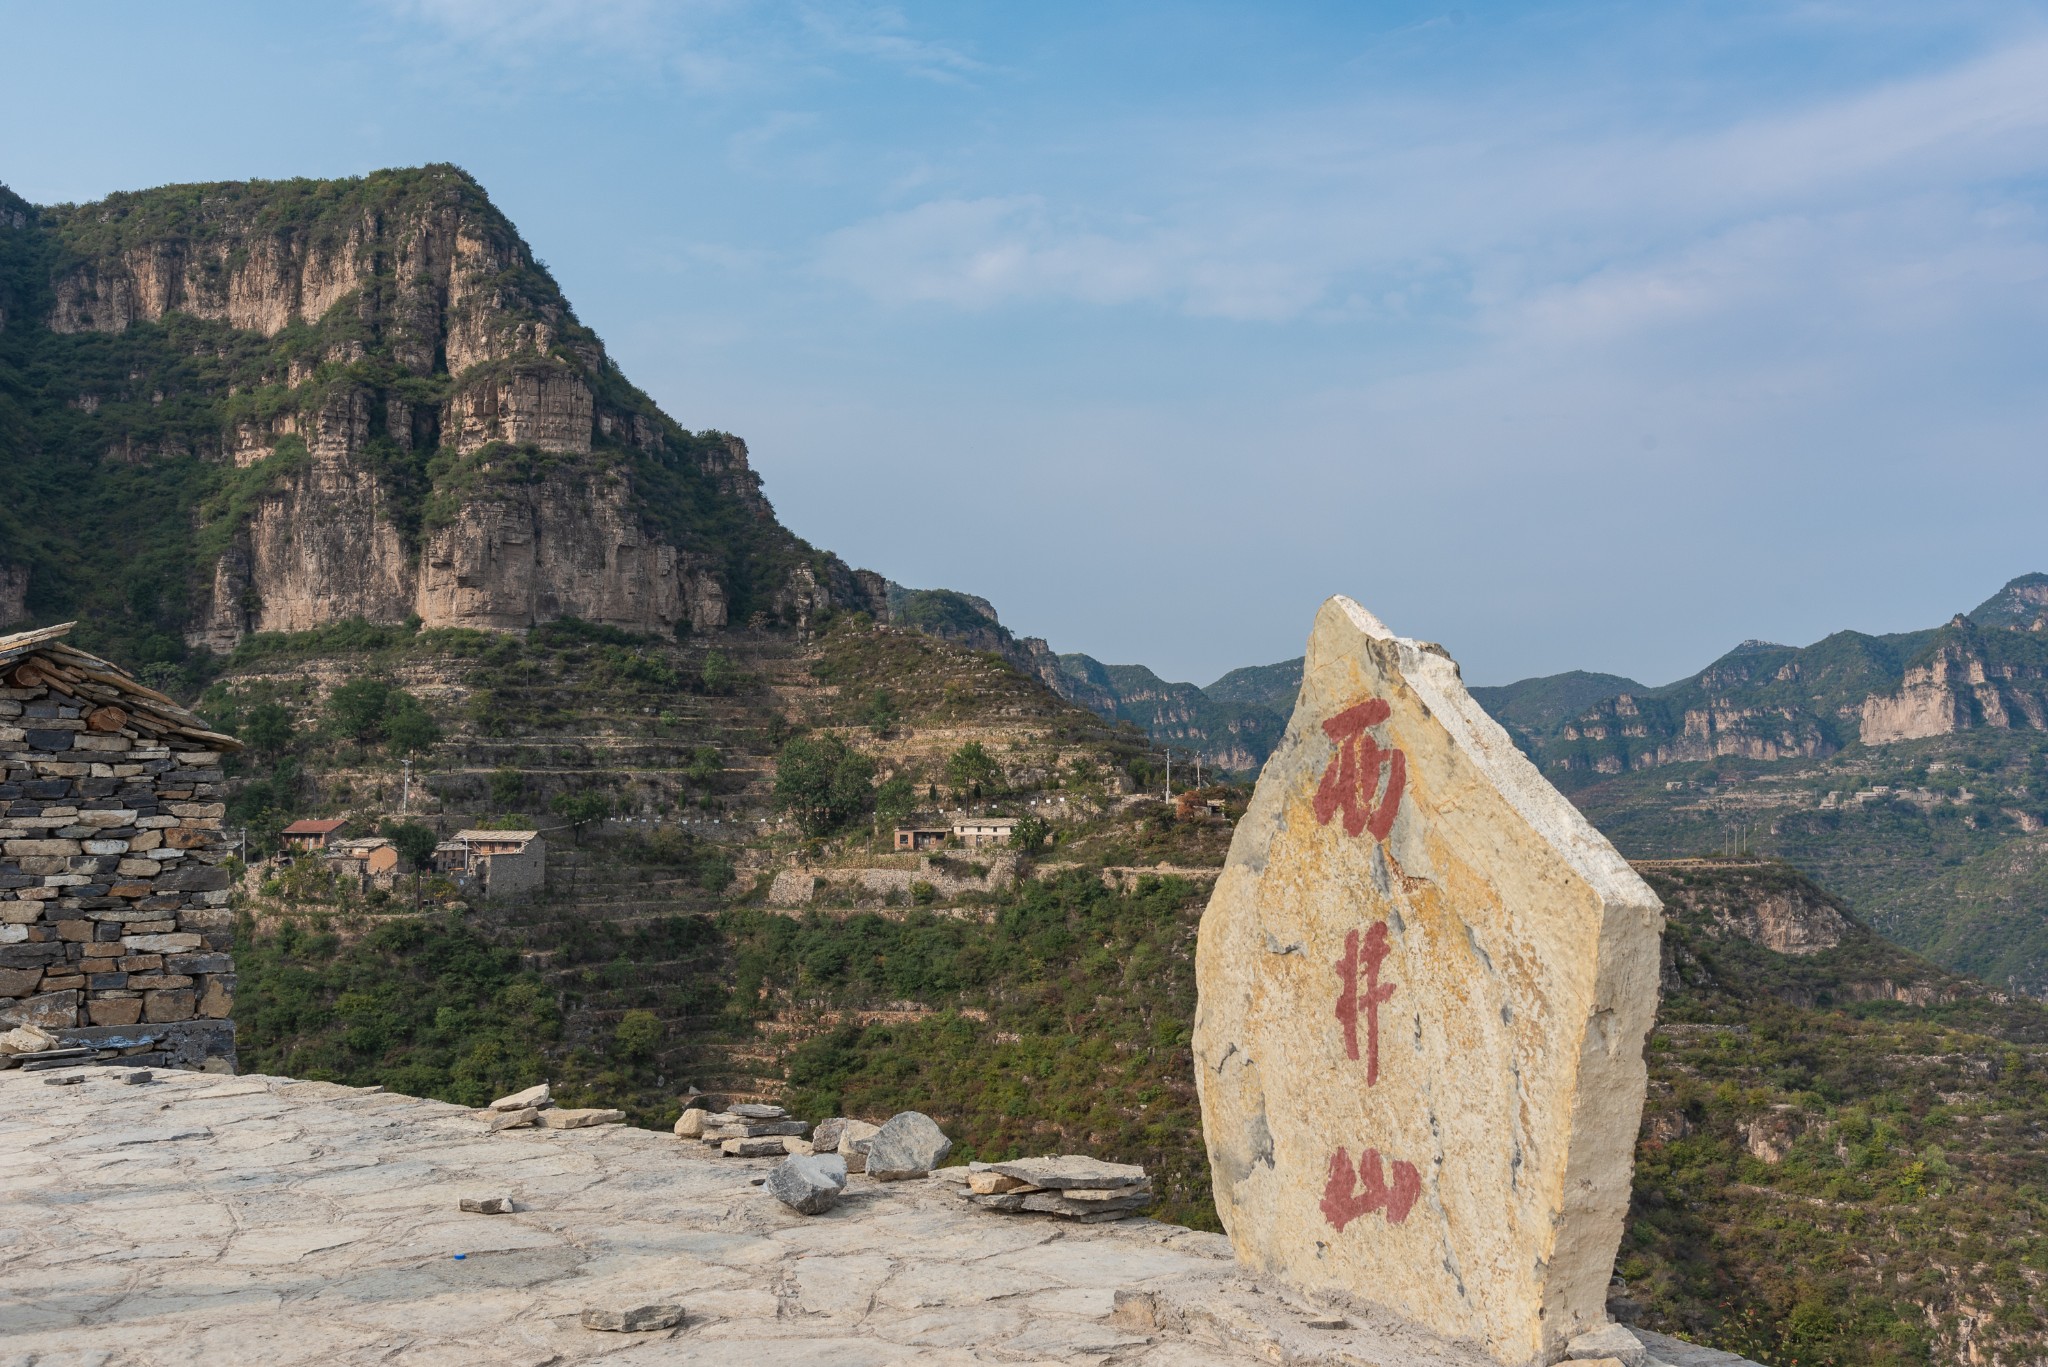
(1424, 985)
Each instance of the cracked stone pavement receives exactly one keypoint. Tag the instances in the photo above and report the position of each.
(216, 1220)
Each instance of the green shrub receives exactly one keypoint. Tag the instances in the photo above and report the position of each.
(822, 783)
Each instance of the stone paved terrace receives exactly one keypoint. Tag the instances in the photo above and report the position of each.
(232, 1220)
(205, 1219)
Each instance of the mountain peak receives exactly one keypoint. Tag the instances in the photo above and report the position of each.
(2021, 605)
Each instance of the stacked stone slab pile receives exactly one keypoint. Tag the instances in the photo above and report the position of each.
(536, 1107)
(751, 1129)
(1070, 1186)
(114, 923)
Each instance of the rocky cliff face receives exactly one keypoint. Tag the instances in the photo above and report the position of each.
(1996, 679)
(365, 399)
(1767, 702)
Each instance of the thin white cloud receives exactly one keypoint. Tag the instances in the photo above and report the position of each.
(883, 33)
(1312, 213)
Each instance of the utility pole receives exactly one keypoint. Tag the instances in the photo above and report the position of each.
(405, 792)
(1169, 776)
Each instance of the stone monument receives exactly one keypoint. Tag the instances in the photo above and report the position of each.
(1424, 983)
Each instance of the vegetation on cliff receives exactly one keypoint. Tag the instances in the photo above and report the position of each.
(169, 358)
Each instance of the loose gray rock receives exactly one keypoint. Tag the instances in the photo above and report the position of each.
(825, 1138)
(535, 1096)
(1608, 1341)
(580, 1119)
(766, 1147)
(512, 1120)
(855, 1138)
(64, 1080)
(641, 1319)
(809, 1185)
(133, 1077)
(487, 1205)
(690, 1124)
(910, 1145)
(760, 1110)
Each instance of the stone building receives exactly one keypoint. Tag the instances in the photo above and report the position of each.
(114, 923)
(977, 831)
(313, 836)
(499, 863)
(371, 861)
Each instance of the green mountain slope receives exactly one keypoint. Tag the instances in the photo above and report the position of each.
(1228, 734)
(1539, 706)
(1273, 687)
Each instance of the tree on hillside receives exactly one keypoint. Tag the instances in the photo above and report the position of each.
(356, 709)
(267, 729)
(823, 783)
(1029, 834)
(973, 770)
(638, 1035)
(895, 799)
(408, 727)
(719, 675)
(580, 809)
(508, 788)
(368, 711)
(881, 714)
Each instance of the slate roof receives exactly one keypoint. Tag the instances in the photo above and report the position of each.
(41, 658)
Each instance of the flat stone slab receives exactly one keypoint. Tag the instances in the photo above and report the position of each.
(1071, 1170)
(1424, 981)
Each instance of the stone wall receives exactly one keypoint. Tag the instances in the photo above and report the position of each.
(114, 924)
(515, 875)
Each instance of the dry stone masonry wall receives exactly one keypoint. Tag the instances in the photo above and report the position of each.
(114, 924)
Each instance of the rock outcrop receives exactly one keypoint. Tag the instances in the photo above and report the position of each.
(1424, 985)
(393, 413)
(1971, 678)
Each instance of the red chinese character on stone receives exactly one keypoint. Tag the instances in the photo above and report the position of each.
(1353, 779)
(1371, 951)
(1352, 1192)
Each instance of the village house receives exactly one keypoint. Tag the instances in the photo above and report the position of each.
(370, 861)
(311, 837)
(499, 863)
(911, 839)
(975, 832)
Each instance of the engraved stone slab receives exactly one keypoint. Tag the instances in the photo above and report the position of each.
(1424, 985)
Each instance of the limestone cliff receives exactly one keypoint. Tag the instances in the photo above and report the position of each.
(356, 398)
(1970, 678)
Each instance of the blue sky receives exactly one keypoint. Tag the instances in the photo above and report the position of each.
(1573, 336)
